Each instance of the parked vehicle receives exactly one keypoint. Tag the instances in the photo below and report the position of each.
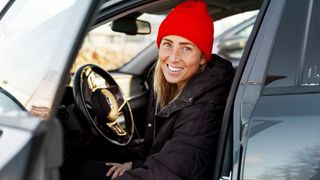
(48, 124)
(231, 43)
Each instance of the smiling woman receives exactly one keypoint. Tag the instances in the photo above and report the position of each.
(186, 104)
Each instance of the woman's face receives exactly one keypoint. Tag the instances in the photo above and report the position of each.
(180, 59)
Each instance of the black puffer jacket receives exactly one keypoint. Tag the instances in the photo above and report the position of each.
(181, 139)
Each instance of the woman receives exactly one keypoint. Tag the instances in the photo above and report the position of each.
(186, 106)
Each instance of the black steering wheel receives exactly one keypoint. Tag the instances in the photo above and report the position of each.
(100, 99)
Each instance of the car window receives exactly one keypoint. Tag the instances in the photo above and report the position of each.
(231, 35)
(311, 66)
(246, 31)
(3, 3)
(230, 22)
(34, 49)
(9, 104)
(295, 59)
(111, 50)
(4, 7)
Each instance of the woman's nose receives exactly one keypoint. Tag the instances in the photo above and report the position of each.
(174, 55)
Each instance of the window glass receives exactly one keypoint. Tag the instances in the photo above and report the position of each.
(36, 38)
(3, 3)
(8, 104)
(311, 68)
(294, 60)
(246, 31)
(231, 35)
(229, 22)
(111, 50)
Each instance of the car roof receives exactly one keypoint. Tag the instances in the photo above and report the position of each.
(217, 8)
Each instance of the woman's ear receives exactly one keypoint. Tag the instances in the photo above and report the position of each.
(203, 60)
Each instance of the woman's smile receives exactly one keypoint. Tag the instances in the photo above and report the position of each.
(174, 69)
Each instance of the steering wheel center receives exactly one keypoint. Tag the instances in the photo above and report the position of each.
(113, 113)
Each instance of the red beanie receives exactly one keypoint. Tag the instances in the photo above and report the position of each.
(190, 20)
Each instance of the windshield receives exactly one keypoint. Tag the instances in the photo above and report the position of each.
(111, 50)
(36, 37)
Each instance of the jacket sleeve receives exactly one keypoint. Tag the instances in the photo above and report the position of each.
(190, 149)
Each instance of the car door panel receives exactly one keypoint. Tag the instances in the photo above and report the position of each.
(251, 81)
(278, 109)
(38, 40)
(19, 142)
(283, 140)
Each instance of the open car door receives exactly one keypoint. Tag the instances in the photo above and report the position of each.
(38, 39)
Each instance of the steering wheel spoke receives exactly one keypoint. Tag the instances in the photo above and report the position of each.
(116, 128)
(102, 103)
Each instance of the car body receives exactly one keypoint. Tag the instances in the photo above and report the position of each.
(271, 124)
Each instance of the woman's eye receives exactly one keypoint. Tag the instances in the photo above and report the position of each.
(187, 49)
(167, 45)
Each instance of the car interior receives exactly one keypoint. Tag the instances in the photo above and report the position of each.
(76, 77)
(103, 111)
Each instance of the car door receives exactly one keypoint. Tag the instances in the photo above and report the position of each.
(275, 125)
(38, 39)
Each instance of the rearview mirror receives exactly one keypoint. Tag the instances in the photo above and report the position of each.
(131, 26)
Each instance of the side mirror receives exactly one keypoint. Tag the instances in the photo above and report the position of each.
(131, 26)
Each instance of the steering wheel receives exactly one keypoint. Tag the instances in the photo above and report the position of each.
(100, 99)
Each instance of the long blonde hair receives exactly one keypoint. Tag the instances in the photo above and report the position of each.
(163, 90)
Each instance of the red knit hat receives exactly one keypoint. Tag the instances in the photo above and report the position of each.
(190, 20)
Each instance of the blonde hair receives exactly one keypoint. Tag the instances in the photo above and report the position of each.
(164, 91)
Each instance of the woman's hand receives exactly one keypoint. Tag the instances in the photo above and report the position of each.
(118, 169)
